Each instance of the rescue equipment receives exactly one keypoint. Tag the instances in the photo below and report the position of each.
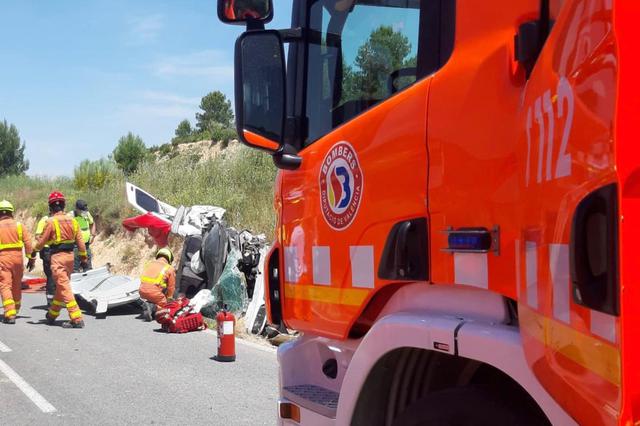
(226, 336)
(179, 316)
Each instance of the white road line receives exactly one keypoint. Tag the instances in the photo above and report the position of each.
(26, 388)
(4, 348)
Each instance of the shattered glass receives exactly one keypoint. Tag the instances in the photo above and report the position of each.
(230, 290)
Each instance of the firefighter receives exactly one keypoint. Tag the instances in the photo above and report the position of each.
(13, 239)
(157, 283)
(242, 9)
(88, 229)
(45, 256)
(62, 234)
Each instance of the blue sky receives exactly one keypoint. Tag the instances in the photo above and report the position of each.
(77, 75)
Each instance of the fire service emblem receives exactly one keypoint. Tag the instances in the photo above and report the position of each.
(341, 186)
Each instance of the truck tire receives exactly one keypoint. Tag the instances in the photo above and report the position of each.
(468, 406)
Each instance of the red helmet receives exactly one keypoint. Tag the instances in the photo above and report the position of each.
(56, 196)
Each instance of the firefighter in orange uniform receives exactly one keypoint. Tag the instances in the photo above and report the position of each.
(13, 238)
(62, 234)
(157, 283)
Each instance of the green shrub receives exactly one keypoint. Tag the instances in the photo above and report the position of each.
(224, 134)
(165, 150)
(240, 179)
(95, 174)
(130, 152)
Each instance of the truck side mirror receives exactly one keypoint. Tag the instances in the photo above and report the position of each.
(244, 11)
(260, 89)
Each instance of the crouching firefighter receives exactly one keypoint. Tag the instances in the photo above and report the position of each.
(13, 238)
(157, 283)
(62, 234)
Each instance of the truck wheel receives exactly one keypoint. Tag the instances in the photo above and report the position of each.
(468, 406)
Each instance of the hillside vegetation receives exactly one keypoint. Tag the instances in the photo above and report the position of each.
(236, 178)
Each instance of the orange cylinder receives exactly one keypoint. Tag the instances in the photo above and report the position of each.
(226, 336)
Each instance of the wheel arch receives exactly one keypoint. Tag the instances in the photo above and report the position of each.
(473, 332)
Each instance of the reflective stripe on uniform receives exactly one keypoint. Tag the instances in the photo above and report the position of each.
(8, 302)
(40, 228)
(59, 240)
(10, 313)
(72, 304)
(158, 280)
(56, 303)
(17, 245)
(54, 314)
(75, 314)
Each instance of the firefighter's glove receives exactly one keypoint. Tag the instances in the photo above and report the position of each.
(31, 264)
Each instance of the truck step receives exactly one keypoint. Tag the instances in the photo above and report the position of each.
(316, 398)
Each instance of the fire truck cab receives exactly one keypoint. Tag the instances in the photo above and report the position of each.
(456, 207)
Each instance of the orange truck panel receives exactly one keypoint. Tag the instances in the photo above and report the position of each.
(523, 156)
(389, 142)
(481, 144)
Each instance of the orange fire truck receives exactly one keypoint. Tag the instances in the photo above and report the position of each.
(457, 206)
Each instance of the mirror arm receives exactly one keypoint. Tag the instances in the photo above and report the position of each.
(255, 25)
(291, 34)
(287, 158)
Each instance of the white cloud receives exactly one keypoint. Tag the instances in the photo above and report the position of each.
(145, 29)
(206, 63)
(171, 98)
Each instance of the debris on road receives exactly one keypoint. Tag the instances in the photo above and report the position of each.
(226, 263)
(103, 290)
(230, 289)
(29, 282)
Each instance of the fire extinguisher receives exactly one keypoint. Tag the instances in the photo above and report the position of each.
(226, 336)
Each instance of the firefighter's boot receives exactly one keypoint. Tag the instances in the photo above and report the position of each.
(147, 311)
(73, 324)
(9, 321)
(50, 319)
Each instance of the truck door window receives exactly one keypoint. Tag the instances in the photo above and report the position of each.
(360, 53)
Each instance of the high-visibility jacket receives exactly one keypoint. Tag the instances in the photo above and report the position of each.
(40, 227)
(84, 222)
(13, 236)
(62, 232)
(159, 272)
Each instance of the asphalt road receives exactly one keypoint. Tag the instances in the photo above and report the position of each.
(121, 370)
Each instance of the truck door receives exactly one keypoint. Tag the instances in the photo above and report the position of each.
(571, 331)
(364, 159)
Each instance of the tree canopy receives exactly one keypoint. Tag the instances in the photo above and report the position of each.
(384, 52)
(129, 153)
(12, 160)
(184, 129)
(216, 108)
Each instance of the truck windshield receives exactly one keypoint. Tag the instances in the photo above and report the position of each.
(360, 53)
